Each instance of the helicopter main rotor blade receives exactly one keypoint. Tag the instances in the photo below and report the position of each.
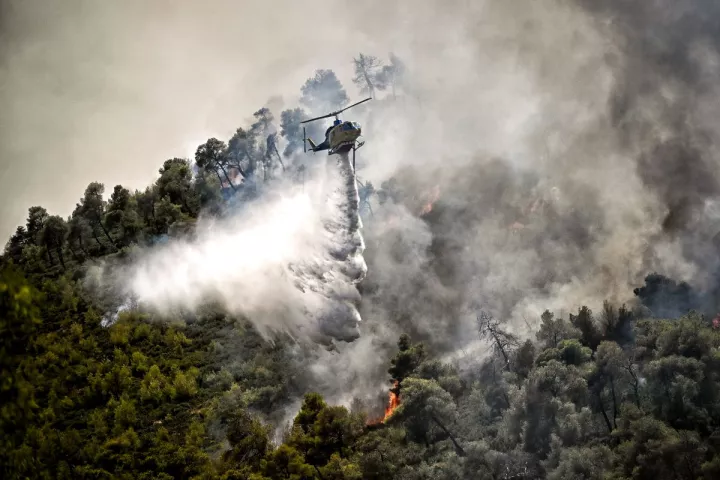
(318, 118)
(358, 103)
(335, 114)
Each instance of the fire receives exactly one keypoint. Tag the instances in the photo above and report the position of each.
(393, 403)
(434, 195)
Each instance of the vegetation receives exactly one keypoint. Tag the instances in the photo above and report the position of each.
(595, 395)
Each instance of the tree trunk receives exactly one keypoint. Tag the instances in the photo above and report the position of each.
(602, 409)
(371, 87)
(636, 384)
(237, 165)
(318, 472)
(152, 209)
(219, 177)
(279, 157)
(60, 256)
(185, 204)
(252, 164)
(636, 388)
(458, 448)
(615, 406)
(107, 234)
(227, 178)
(82, 246)
(73, 252)
(102, 247)
(502, 349)
(47, 250)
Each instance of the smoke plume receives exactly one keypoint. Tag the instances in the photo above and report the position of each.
(574, 146)
(289, 262)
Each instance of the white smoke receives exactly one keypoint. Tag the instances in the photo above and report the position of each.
(289, 264)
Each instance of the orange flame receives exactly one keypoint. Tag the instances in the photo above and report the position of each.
(393, 403)
(434, 195)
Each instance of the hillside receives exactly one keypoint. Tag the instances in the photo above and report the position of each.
(444, 378)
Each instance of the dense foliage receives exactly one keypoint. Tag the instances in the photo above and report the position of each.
(594, 395)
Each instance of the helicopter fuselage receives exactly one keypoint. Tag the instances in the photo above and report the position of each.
(343, 137)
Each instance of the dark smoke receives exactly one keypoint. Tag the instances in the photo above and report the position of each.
(666, 298)
(665, 71)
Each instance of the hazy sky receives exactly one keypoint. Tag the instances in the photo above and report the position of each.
(106, 91)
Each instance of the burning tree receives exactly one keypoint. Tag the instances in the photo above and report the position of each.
(432, 197)
(402, 365)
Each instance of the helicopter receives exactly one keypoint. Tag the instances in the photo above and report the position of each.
(340, 137)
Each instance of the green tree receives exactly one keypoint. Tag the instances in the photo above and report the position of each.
(79, 233)
(609, 383)
(243, 152)
(249, 441)
(582, 463)
(651, 449)
(585, 323)
(616, 323)
(524, 359)
(53, 237)
(19, 320)
(554, 330)
(367, 68)
(406, 360)
(175, 182)
(286, 463)
(92, 208)
(391, 75)
(552, 399)
(37, 216)
(211, 156)
(14, 246)
(206, 192)
(425, 406)
(291, 129)
(122, 217)
(323, 92)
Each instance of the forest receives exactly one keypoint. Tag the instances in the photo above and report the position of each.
(611, 394)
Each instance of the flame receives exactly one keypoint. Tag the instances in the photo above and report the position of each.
(393, 403)
(434, 195)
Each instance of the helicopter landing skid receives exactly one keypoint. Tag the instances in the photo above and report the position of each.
(342, 148)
